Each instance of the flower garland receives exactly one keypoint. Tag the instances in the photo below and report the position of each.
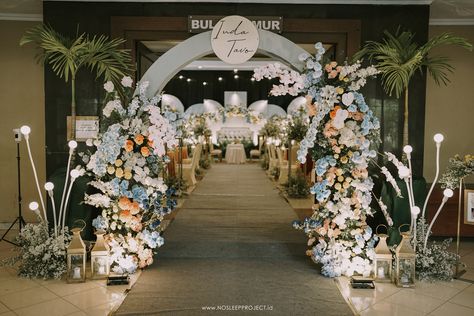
(239, 111)
(127, 166)
(339, 138)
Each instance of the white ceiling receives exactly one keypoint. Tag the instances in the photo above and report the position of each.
(442, 11)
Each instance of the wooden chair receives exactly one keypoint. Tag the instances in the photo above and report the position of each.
(215, 152)
(272, 158)
(283, 164)
(190, 168)
(256, 152)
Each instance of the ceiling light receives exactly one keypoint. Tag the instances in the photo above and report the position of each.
(252, 79)
(204, 83)
(188, 80)
(220, 79)
(181, 77)
(236, 77)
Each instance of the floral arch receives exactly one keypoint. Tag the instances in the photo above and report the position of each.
(170, 63)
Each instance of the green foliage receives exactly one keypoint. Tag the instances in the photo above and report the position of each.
(275, 172)
(264, 161)
(66, 56)
(297, 186)
(204, 163)
(458, 169)
(271, 128)
(297, 128)
(399, 57)
(177, 184)
(436, 262)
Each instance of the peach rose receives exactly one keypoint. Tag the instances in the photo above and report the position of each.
(145, 151)
(128, 145)
(134, 208)
(125, 216)
(124, 203)
(139, 139)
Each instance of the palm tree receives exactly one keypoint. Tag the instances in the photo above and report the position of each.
(399, 57)
(67, 56)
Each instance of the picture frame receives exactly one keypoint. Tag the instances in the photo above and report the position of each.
(87, 127)
(469, 207)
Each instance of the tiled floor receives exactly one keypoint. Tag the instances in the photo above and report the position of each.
(55, 297)
(20, 296)
(454, 298)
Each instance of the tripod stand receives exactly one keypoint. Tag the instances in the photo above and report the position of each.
(19, 219)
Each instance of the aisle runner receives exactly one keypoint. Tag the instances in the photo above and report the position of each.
(232, 249)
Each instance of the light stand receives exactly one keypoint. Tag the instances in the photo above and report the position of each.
(19, 219)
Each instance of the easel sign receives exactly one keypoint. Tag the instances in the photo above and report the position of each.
(87, 127)
(469, 207)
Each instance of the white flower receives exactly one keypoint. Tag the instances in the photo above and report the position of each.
(109, 86)
(341, 116)
(127, 82)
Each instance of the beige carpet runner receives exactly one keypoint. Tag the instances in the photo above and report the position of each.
(232, 251)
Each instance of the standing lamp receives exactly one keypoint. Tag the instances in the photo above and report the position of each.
(405, 262)
(383, 259)
(100, 263)
(76, 258)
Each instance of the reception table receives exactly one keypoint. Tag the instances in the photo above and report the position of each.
(235, 154)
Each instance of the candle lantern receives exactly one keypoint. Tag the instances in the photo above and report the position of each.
(383, 259)
(76, 258)
(405, 262)
(100, 263)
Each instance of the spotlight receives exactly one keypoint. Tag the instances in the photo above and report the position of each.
(181, 77)
(252, 79)
(33, 206)
(72, 144)
(236, 77)
(188, 80)
(415, 210)
(25, 130)
(448, 193)
(407, 149)
(74, 173)
(48, 186)
(220, 79)
(438, 138)
(204, 83)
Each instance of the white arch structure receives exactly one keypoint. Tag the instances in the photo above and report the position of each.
(170, 63)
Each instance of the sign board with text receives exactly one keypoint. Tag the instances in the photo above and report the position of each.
(234, 39)
(203, 23)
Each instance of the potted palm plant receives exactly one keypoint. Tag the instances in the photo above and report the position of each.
(67, 56)
(399, 57)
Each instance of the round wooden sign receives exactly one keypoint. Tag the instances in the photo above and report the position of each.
(234, 39)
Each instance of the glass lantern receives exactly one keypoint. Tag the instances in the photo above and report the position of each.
(76, 258)
(383, 260)
(405, 262)
(100, 263)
